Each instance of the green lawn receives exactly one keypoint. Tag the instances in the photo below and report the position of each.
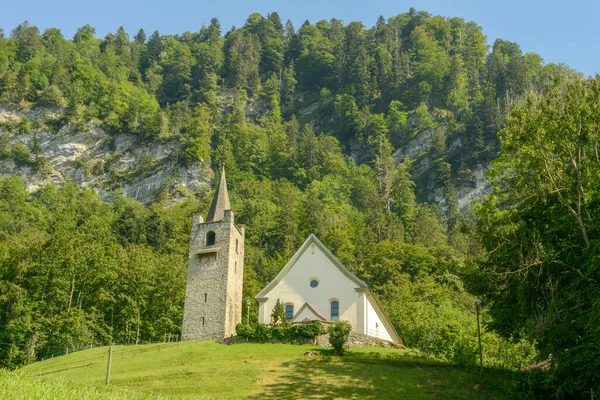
(208, 370)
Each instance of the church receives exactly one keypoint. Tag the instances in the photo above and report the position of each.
(313, 285)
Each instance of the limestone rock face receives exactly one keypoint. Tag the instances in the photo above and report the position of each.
(120, 163)
(418, 149)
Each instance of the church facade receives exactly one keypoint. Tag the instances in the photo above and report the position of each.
(314, 285)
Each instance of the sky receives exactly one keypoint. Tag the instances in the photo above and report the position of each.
(560, 31)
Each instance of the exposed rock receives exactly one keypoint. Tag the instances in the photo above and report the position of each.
(418, 148)
(102, 162)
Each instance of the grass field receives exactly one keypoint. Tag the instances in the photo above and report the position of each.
(208, 370)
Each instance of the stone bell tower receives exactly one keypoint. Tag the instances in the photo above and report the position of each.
(213, 295)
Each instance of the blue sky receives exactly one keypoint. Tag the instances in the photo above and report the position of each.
(559, 31)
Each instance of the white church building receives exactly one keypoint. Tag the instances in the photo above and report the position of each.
(314, 285)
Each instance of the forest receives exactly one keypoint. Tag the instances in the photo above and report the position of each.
(76, 271)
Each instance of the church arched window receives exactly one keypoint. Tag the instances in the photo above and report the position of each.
(210, 238)
(289, 312)
(335, 310)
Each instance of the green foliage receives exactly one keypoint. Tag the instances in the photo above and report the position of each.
(339, 331)
(77, 271)
(540, 271)
(278, 313)
(288, 333)
(21, 154)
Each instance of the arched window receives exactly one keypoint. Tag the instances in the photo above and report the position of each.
(289, 312)
(335, 310)
(210, 238)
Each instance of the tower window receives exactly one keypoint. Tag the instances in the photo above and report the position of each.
(335, 310)
(235, 267)
(205, 297)
(314, 283)
(210, 238)
(202, 321)
(289, 312)
(236, 245)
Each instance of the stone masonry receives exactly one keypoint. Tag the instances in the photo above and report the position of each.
(213, 298)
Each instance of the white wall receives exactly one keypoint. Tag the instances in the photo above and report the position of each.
(333, 284)
(374, 326)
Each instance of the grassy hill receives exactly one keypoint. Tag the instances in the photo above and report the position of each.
(207, 370)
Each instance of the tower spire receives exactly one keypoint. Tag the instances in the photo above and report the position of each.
(220, 202)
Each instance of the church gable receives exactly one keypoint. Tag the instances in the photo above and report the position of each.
(313, 260)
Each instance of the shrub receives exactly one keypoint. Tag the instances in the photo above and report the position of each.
(244, 330)
(4, 145)
(21, 154)
(25, 126)
(465, 352)
(278, 313)
(262, 333)
(282, 333)
(535, 384)
(338, 336)
(310, 330)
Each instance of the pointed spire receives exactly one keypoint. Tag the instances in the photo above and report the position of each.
(220, 202)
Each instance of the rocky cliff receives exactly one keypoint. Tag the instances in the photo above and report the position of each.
(92, 158)
(125, 164)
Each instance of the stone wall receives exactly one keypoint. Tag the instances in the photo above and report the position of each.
(359, 340)
(213, 298)
(354, 340)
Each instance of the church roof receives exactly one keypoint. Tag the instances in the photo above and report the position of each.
(312, 239)
(220, 202)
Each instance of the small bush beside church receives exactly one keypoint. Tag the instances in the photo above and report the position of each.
(284, 333)
(338, 336)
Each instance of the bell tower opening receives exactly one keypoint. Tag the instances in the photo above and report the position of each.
(210, 238)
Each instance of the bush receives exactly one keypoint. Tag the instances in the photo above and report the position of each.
(338, 336)
(535, 384)
(465, 352)
(24, 126)
(310, 330)
(262, 333)
(244, 330)
(21, 154)
(4, 145)
(283, 333)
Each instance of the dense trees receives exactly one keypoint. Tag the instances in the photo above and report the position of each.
(539, 228)
(76, 271)
(305, 121)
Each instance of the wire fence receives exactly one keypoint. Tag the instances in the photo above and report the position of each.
(101, 359)
(168, 338)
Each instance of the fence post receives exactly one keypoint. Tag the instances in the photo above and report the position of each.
(479, 340)
(110, 349)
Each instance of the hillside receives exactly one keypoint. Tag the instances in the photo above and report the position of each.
(208, 370)
(375, 139)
